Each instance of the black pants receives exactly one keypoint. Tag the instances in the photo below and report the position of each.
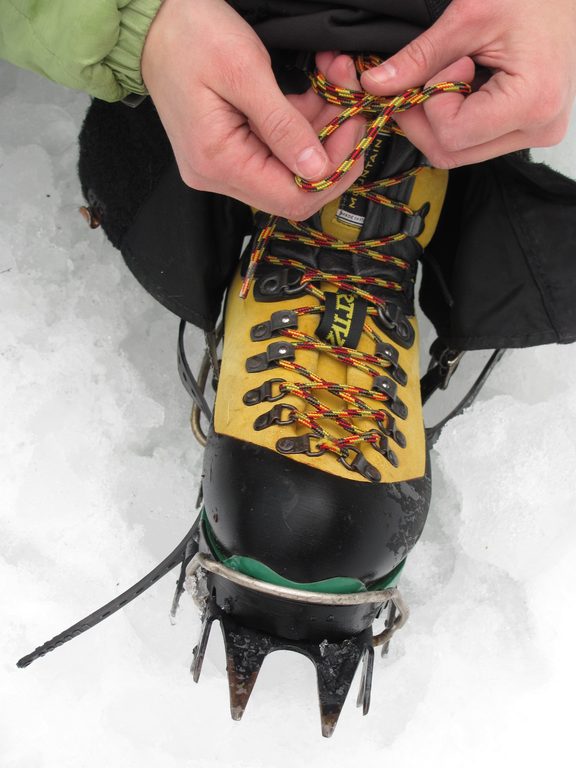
(505, 240)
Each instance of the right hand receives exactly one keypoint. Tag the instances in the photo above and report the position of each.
(232, 130)
(528, 54)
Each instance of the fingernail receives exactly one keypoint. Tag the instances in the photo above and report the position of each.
(311, 162)
(383, 73)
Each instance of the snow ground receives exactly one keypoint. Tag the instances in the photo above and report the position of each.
(99, 475)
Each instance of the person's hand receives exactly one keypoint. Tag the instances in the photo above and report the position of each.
(529, 48)
(231, 128)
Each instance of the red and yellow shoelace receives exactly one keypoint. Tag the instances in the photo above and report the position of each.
(380, 111)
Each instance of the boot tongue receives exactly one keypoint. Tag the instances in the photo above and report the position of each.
(344, 218)
(352, 217)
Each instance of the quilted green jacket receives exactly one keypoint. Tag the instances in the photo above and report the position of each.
(91, 45)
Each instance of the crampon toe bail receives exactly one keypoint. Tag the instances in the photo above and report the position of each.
(256, 618)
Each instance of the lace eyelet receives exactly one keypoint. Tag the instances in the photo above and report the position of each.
(263, 393)
(300, 444)
(275, 416)
(359, 464)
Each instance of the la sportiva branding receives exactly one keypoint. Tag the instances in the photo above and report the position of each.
(343, 319)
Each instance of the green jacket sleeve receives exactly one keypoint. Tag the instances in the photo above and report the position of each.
(91, 45)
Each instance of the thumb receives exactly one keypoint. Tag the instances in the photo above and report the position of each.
(446, 41)
(279, 124)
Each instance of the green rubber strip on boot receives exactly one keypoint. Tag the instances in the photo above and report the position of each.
(341, 585)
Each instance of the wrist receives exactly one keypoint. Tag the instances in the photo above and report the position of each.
(125, 59)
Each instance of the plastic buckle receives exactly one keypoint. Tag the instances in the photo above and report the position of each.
(448, 363)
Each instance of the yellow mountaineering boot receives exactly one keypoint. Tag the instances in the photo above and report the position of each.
(316, 476)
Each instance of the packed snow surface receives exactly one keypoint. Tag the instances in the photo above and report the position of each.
(99, 473)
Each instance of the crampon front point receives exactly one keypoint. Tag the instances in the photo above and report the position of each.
(256, 618)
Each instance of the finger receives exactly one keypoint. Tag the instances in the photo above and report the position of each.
(256, 177)
(241, 166)
(311, 104)
(269, 178)
(279, 123)
(446, 41)
(342, 72)
(418, 130)
(273, 192)
(501, 106)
